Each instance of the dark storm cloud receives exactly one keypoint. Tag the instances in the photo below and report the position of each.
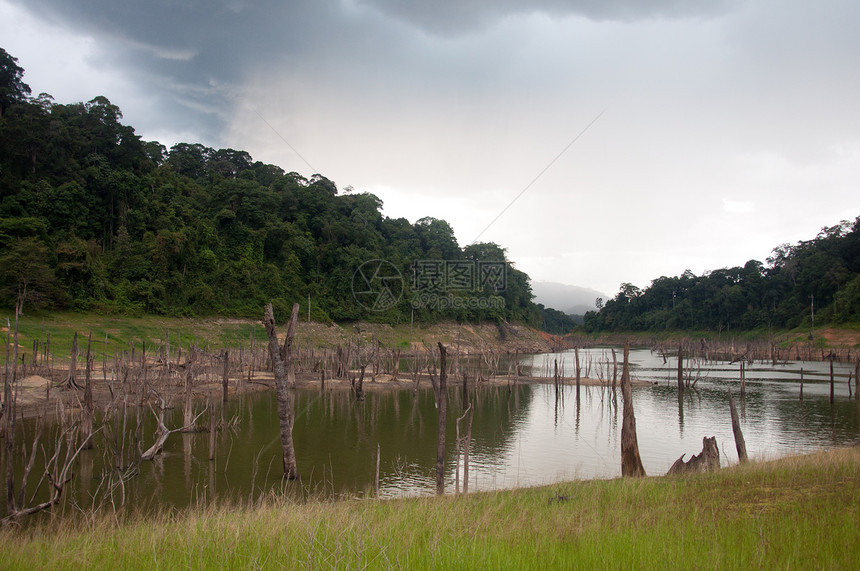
(193, 55)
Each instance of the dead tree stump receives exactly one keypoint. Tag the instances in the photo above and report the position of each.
(708, 460)
(631, 463)
(740, 444)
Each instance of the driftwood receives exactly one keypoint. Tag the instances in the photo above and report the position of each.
(707, 460)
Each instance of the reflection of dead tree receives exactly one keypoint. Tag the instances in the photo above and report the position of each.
(707, 460)
(631, 463)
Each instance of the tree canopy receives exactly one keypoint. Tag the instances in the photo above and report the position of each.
(92, 217)
(820, 276)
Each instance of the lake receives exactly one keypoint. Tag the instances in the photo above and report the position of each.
(523, 435)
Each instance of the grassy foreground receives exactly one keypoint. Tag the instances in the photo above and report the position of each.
(800, 512)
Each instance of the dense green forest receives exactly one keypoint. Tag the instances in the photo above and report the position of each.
(816, 279)
(94, 218)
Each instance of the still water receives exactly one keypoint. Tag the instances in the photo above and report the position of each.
(523, 435)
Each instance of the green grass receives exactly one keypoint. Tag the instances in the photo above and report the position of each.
(799, 512)
(121, 331)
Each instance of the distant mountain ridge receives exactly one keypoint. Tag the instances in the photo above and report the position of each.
(570, 299)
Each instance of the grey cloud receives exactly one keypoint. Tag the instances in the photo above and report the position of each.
(461, 16)
(191, 55)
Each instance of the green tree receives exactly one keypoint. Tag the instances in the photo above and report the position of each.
(12, 87)
(26, 277)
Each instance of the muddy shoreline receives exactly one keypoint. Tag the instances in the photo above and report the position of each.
(39, 396)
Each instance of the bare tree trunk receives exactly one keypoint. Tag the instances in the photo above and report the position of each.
(378, 455)
(680, 368)
(225, 376)
(576, 355)
(736, 428)
(71, 380)
(287, 348)
(88, 410)
(470, 411)
(801, 383)
(211, 431)
(614, 370)
(188, 425)
(857, 379)
(631, 463)
(285, 412)
(9, 414)
(358, 385)
(442, 405)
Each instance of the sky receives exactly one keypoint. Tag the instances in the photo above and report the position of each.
(598, 141)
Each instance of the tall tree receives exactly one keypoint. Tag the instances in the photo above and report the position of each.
(12, 87)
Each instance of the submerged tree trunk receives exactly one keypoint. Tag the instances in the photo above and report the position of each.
(88, 410)
(188, 411)
(358, 384)
(631, 463)
(857, 379)
(442, 405)
(225, 377)
(736, 428)
(280, 359)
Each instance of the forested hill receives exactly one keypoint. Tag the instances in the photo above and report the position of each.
(94, 218)
(819, 277)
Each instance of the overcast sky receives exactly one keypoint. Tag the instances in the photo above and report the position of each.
(708, 131)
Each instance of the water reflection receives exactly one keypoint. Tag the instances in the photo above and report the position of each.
(522, 435)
